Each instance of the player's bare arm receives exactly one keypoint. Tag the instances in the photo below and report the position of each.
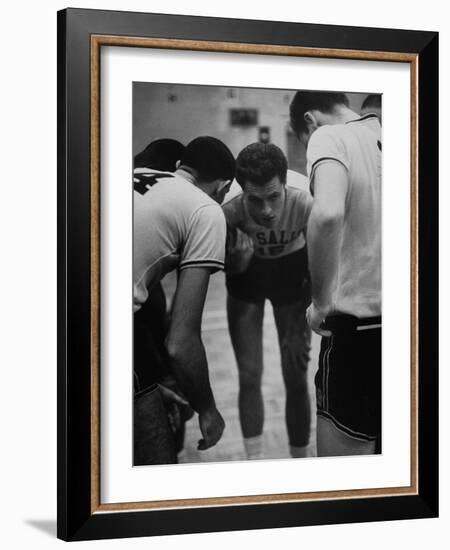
(187, 353)
(324, 237)
(239, 246)
(239, 251)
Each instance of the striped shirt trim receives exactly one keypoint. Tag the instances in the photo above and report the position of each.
(314, 166)
(361, 119)
(202, 263)
(321, 159)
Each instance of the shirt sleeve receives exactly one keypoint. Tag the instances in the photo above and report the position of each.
(205, 242)
(325, 145)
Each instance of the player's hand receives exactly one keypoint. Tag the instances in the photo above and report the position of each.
(177, 407)
(212, 426)
(315, 318)
(239, 253)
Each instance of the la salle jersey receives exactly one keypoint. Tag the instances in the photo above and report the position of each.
(288, 235)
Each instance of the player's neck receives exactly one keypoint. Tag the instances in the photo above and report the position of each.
(344, 115)
(186, 175)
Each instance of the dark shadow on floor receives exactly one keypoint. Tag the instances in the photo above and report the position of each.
(47, 526)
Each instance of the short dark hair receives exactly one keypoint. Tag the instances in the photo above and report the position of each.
(259, 163)
(372, 101)
(305, 101)
(161, 154)
(210, 158)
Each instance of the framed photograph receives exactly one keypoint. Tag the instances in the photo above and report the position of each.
(247, 287)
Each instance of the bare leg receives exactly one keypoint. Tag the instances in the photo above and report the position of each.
(333, 442)
(294, 338)
(245, 322)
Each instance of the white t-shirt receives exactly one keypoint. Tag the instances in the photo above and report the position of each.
(357, 146)
(176, 225)
(288, 235)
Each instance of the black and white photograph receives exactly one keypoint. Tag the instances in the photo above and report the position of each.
(256, 273)
(247, 260)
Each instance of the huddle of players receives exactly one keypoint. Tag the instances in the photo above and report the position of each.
(259, 237)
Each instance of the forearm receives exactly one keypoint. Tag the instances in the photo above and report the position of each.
(324, 240)
(239, 251)
(190, 367)
(235, 263)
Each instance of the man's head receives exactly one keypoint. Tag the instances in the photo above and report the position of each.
(310, 110)
(161, 154)
(372, 104)
(261, 172)
(211, 164)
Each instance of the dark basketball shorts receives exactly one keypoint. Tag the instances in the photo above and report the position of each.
(283, 280)
(348, 382)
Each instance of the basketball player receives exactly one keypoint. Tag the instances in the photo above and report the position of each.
(344, 246)
(178, 224)
(151, 322)
(372, 105)
(160, 154)
(267, 259)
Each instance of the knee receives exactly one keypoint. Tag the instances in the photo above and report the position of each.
(294, 353)
(294, 361)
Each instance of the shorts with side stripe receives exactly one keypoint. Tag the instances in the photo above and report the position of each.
(348, 382)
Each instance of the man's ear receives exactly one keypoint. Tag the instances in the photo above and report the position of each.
(177, 164)
(225, 183)
(310, 119)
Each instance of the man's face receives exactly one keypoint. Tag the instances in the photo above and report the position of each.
(265, 203)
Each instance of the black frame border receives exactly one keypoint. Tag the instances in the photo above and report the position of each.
(75, 520)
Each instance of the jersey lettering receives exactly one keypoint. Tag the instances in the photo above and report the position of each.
(273, 238)
(261, 238)
(282, 239)
(143, 182)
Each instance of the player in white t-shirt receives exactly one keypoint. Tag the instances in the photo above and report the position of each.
(372, 105)
(344, 246)
(267, 259)
(178, 224)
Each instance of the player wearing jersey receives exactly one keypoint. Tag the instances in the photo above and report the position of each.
(178, 224)
(267, 259)
(160, 154)
(151, 322)
(372, 104)
(344, 246)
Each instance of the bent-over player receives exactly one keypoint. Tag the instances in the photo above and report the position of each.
(178, 224)
(267, 259)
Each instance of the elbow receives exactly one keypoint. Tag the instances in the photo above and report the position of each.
(174, 349)
(328, 219)
(180, 347)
